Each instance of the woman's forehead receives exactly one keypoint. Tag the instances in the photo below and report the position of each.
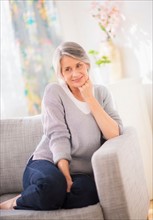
(67, 61)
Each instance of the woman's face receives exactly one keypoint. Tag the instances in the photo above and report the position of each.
(74, 71)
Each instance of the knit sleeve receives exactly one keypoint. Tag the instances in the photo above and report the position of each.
(109, 107)
(54, 124)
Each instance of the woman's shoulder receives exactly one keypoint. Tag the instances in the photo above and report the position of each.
(54, 86)
(52, 91)
(102, 94)
(101, 90)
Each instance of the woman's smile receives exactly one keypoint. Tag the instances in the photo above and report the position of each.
(77, 80)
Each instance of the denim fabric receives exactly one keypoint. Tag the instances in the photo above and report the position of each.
(83, 192)
(45, 188)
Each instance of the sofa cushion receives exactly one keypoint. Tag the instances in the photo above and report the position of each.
(19, 137)
(93, 212)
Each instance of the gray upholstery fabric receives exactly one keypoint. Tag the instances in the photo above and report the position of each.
(120, 178)
(19, 138)
(87, 213)
(93, 212)
(117, 169)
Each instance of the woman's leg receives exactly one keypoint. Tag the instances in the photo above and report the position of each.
(83, 192)
(44, 187)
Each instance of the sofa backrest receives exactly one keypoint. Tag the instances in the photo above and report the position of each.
(18, 139)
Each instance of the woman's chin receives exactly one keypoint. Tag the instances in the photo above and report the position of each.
(79, 84)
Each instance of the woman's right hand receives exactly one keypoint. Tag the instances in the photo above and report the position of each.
(63, 165)
(69, 184)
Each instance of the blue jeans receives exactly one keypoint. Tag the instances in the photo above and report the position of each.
(45, 188)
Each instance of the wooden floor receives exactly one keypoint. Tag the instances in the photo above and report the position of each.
(150, 213)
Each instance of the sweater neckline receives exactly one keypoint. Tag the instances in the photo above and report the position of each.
(83, 106)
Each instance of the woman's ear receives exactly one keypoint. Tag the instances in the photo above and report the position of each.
(88, 67)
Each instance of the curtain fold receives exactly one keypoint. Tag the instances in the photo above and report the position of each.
(13, 102)
(37, 33)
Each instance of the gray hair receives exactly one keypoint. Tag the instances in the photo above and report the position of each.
(71, 49)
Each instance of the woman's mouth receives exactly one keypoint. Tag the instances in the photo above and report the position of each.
(77, 80)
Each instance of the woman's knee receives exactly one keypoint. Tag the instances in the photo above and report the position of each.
(52, 192)
(85, 186)
(83, 182)
(83, 192)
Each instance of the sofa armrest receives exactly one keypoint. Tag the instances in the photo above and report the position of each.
(119, 177)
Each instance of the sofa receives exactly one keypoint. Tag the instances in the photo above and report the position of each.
(133, 100)
(117, 167)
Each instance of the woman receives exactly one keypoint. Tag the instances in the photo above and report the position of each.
(78, 117)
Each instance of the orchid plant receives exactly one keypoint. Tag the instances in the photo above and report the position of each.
(109, 17)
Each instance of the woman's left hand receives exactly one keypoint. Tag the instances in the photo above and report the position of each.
(87, 90)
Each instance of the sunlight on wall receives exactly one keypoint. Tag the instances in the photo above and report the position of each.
(138, 41)
(135, 39)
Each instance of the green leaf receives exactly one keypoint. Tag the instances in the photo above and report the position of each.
(93, 52)
(103, 60)
(102, 27)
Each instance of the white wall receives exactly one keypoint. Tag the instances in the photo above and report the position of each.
(78, 24)
(134, 40)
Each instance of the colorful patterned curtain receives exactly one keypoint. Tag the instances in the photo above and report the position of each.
(37, 33)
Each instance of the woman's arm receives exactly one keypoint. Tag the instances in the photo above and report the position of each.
(54, 124)
(107, 125)
(56, 130)
(63, 165)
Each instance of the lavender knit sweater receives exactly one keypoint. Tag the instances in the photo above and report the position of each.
(69, 133)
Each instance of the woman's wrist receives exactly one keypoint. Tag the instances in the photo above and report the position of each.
(90, 100)
(63, 165)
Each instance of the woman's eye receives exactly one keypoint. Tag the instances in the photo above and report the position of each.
(67, 69)
(79, 65)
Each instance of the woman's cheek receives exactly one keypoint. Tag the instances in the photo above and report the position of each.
(86, 76)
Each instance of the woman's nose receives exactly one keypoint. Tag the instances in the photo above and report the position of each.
(74, 73)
